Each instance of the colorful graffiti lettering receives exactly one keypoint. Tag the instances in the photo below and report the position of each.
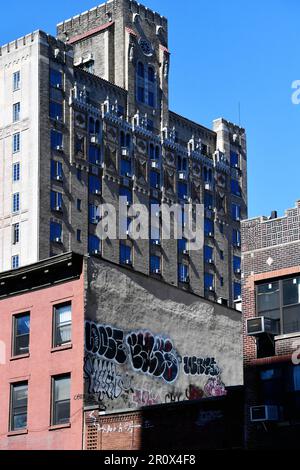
(104, 379)
(153, 355)
(214, 388)
(105, 341)
(145, 398)
(200, 366)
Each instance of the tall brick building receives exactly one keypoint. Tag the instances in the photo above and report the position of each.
(85, 118)
(271, 311)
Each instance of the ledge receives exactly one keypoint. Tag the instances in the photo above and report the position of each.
(64, 347)
(56, 427)
(287, 336)
(21, 356)
(17, 433)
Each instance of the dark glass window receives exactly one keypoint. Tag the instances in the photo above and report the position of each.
(56, 140)
(182, 190)
(94, 244)
(235, 187)
(56, 110)
(236, 263)
(61, 399)
(55, 232)
(208, 281)
(154, 179)
(208, 227)
(234, 159)
(183, 272)
(125, 192)
(237, 290)
(125, 254)
(94, 184)
(21, 331)
(208, 253)
(19, 400)
(125, 169)
(154, 264)
(56, 78)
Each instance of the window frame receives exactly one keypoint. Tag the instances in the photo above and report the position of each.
(55, 327)
(54, 379)
(13, 386)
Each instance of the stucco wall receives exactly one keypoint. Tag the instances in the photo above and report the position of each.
(126, 370)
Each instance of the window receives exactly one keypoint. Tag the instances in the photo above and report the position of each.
(125, 192)
(222, 255)
(78, 235)
(94, 154)
(280, 300)
(141, 94)
(55, 232)
(56, 140)
(208, 253)
(61, 403)
(16, 80)
(16, 172)
(15, 233)
(94, 214)
(154, 179)
(94, 245)
(94, 185)
(182, 245)
(151, 151)
(208, 200)
(21, 333)
(208, 227)
(235, 188)
(183, 272)
(56, 201)
(78, 204)
(181, 163)
(125, 169)
(146, 85)
(236, 238)
(16, 112)
(237, 290)
(18, 409)
(56, 110)
(56, 170)
(94, 127)
(15, 262)
(208, 281)
(221, 281)
(16, 202)
(62, 324)
(182, 190)
(155, 264)
(207, 175)
(234, 160)
(56, 78)
(79, 174)
(141, 70)
(235, 211)
(16, 142)
(236, 264)
(157, 152)
(125, 254)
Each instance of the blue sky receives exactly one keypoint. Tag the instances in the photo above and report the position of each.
(223, 53)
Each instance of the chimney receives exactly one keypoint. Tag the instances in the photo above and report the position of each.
(273, 215)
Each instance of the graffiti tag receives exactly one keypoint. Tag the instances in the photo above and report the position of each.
(200, 366)
(105, 341)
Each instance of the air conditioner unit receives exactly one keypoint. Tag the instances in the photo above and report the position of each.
(223, 301)
(156, 242)
(94, 139)
(154, 165)
(261, 325)
(58, 118)
(59, 178)
(58, 85)
(128, 262)
(236, 165)
(238, 271)
(210, 261)
(58, 208)
(209, 207)
(182, 175)
(186, 280)
(207, 186)
(97, 191)
(125, 152)
(59, 147)
(238, 244)
(264, 413)
(156, 271)
(58, 240)
(210, 234)
(95, 252)
(211, 289)
(185, 252)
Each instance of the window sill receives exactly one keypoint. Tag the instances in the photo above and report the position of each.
(21, 356)
(62, 348)
(287, 336)
(59, 426)
(17, 433)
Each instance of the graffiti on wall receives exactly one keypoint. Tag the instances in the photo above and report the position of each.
(143, 397)
(200, 366)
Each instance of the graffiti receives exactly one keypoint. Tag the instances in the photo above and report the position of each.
(153, 355)
(103, 379)
(121, 427)
(105, 341)
(173, 397)
(200, 366)
(214, 388)
(145, 398)
(194, 393)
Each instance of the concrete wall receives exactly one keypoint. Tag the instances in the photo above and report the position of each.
(148, 342)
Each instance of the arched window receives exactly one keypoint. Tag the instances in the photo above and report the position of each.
(146, 85)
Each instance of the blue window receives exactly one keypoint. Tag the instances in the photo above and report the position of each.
(55, 231)
(15, 262)
(16, 112)
(208, 227)
(94, 244)
(16, 202)
(208, 281)
(16, 142)
(237, 290)
(56, 110)
(94, 155)
(221, 281)
(94, 185)
(236, 263)
(207, 175)
(235, 187)
(182, 245)
(151, 99)
(56, 140)
(78, 204)
(125, 192)
(125, 169)
(56, 78)
(141, 70)
(157, 152)
(16, 80)
(183, 272)
(56, 201)
(16, 172)
(208, 253)
(155, 264)
(151, 74)
(78, 235)
(151, 151)
(222, 255)
(154, 179)
(141, 94)
(208, 200)
(234, 159)
(181, 163)
(236, 238)
(182, 190)
(235, 211)
(56, 170)
(125, 254)
(94, 214)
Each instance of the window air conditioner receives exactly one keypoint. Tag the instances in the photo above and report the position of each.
(156, 271)
(264, 413)
(182, 175)
(58, 240)
(128, 262)
(59, 178)
(261, 325)
(154, 164)
(59, 147)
